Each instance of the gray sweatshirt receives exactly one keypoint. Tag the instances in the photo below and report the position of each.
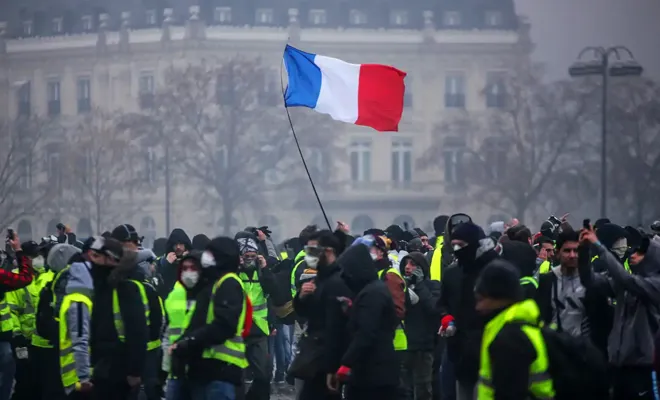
(79, 280)
(571, 294)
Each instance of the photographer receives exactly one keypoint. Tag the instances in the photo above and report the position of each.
(10, 281)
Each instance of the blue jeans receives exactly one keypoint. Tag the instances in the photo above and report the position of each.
(177, 389)
(7, 370)
(216, 390)
(447, 378)
(280, 346)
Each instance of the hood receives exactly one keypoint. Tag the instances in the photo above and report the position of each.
(178, 236)
(521, 255)
(159, 247)
(651, 263)
(420, 260)
(358, 268)
(226, 254)
(450, 225)
(439, 224)
(59, 256)
(200, 241)
(80, 279)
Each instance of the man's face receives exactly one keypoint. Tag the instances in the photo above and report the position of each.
(547, 251)
(179, 249)
(636, 258)
(96, 257)
(249, 259)
(410, 267)
(425, 240)
(568, 256)
(189, 265)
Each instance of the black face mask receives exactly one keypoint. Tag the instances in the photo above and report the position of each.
(466, 255)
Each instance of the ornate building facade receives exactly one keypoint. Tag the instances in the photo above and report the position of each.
(62, 60)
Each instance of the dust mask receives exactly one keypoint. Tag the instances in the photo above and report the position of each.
(207, 260)
(374, 256)
(620, 247)
(311, 261)
(189, 278)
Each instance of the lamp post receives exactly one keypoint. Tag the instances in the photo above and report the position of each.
(600, 65)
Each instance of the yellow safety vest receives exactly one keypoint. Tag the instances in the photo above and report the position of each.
(284, 255)
(540, 382)
(259, 303)
(67, 359)
(5, 316)
(22, 303)
(176, 307)
(545, 267)
(37, 340)
(232, 351)
(300, 258)
(529, 280)
(436, 260)
(625, 263)
(400, 338)
(119, 323)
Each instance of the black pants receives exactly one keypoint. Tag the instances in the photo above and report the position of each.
(256, 352)
(416, 370)
(113, 390)
(371, 393)
(27, 385)
(316, 389)
(633, 383)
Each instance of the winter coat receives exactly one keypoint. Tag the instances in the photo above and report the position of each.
(167, 271)
(637, 309)
(371, 323)
(423, 318)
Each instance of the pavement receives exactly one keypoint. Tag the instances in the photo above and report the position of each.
(282, 392)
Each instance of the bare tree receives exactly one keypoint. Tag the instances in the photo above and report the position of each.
(102, 177)
(228, 133)
(634, 152)
(24, 189)
(514, 156)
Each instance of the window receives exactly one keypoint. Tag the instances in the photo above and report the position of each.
(360, 151)
(24, 99)
(28, 28)
(402, 161)
(147, 90)
(271, 92)
(87, 23)
(150, 17)
(84, 95)
(150, 165)
(495, 90)
(24, 170)
(493, 18)
(264, 16)
(318, 17)
(454, 149)
(56, 26)
(315, 161)
(399, 18)
(222, 15)
(54, 170)
(451, 18)
(357, 17)
(86, 168)
(361, 223)
(455, 90)
(495, 154)
(53, 93)
(408, 94)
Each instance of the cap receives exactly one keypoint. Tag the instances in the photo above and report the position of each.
(125, 233)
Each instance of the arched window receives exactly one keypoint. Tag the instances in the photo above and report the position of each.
(231, 230)
(51, 228)
(273, 225)
(148, 230)
(406, 222)
(24, 230)
(319, 221)
(84, 228)
(361, 223)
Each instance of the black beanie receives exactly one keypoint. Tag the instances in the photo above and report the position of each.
(609, 233)
(499, 280)
(200, 241)
(469, 232)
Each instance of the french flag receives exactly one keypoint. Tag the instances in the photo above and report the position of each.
(361, 94)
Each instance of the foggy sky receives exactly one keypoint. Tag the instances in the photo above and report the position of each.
(561, 28)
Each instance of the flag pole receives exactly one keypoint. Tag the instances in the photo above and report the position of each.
(295, 138)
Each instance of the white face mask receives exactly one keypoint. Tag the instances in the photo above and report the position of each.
(311, 262)
(189, 278)
(207, 260)
(374, 256)
(457, 247)
(620, 247)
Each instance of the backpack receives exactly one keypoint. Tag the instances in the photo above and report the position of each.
(46, 324)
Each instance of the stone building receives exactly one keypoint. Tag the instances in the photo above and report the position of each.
(60, 60)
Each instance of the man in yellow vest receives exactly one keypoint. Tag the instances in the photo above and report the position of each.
(514, 361)
(212, 346)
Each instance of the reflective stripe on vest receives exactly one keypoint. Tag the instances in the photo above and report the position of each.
(544, 268)
(258, 298)
(5, 316)
(436, 260)
(400, 338)
(232, 351)
(625, 263)
(119, 323)
(67, 359)
(176, 307)
(540, 382)
(300, 258)
(284, 255)
(40, 341)
(528, 280)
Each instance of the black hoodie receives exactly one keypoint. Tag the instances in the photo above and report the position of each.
(371, 323)
(169, 272)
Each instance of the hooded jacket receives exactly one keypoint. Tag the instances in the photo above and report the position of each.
(423, 318)
(112, 359)
(226, 304)
(636, 313)
(447, 252)
(371, 323)
(168, 271)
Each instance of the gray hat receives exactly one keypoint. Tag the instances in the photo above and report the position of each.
(59, 256)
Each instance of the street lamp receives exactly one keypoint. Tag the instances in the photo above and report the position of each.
(600, 65)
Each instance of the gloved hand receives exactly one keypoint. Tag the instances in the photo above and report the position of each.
(182, 347)
(343, 373)
(414, 299)
(266, 231)
(417, 276)
(345, 303)
(447, 327)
